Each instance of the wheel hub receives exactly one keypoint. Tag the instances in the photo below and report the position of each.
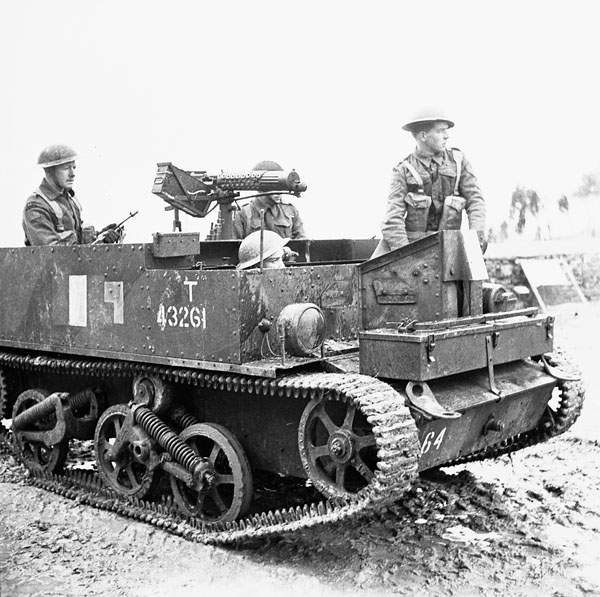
(340, 447)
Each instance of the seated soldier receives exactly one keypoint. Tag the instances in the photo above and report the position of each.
(277, 214)
(52, 213)
(272, 253)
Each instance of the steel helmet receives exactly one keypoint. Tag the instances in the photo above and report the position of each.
(426, 116)
(268, 165)
(249, 251)
(55, 155)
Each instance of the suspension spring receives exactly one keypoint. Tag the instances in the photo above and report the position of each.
(182, 418)
(166, 438)
(37, 412)
(81, 399)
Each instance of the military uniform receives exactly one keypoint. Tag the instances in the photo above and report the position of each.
(420, 185)
(52, 217)
(282, 218)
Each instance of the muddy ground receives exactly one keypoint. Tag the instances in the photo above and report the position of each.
(522, 525)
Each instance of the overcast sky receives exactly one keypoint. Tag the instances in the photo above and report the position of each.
(322, 87)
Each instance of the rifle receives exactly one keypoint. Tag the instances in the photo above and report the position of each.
(118, 227)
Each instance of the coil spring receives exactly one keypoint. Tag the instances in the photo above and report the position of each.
(46, 408)
(166, 438)
(82, 399)
(36, 412)
(182, 418)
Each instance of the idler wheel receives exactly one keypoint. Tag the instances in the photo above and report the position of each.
(120, 464)
(37, 455)
(337, 447)
(227, 490)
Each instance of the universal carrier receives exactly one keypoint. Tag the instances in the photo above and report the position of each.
(198, 379)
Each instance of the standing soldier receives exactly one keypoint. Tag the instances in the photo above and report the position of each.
(279, 215)
(430, 188)
(52, 213)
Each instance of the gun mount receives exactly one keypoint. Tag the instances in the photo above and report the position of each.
(197, 193)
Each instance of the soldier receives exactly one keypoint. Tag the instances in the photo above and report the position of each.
(272, 250)
(430, 188)
(280, 216)
(52, 213)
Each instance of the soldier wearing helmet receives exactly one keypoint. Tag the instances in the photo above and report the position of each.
(430, 188)
(272, 250)
(279, 215)
(52, 213)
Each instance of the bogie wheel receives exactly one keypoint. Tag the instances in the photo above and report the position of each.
(337, 447)
(37, 455)
(229, 491)
(121, 469)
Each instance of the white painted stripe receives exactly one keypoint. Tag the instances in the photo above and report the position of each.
(78, 301)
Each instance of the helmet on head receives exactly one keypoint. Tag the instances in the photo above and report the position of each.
(55, 155)
(423, 117)
(249, 251)
(268, 165)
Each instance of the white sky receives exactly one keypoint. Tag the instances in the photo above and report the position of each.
(319, 86)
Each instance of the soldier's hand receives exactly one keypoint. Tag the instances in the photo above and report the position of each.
(110, 234)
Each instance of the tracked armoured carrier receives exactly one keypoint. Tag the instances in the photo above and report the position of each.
(195, 378)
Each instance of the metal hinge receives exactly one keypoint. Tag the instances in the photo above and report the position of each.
(491, 342)
(430, 347)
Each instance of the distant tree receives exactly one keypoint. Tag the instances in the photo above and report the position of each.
(590, 185)
(563, 204)
(524, 201)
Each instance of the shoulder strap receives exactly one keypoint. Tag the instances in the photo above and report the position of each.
(76, 202)
(55, 207)
(457, 154)
(414, 172)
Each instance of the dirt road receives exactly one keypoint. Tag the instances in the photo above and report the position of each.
(526, 525)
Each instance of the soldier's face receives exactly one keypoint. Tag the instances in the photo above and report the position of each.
(65, 175)
(272, 199)
(435, 138)
(274, 261)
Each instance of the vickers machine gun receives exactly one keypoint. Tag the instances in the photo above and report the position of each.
(197, 193)
(352, 373)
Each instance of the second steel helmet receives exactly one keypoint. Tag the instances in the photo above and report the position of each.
(424, 116)
(55, 155)
(249, 251)
(268, 165)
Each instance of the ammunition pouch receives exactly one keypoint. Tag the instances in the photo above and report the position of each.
(452, 212)
(417, 212)
(88, 235)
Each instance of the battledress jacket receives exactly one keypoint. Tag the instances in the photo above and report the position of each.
(438, 174)
(282, 218)
(52, 216)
